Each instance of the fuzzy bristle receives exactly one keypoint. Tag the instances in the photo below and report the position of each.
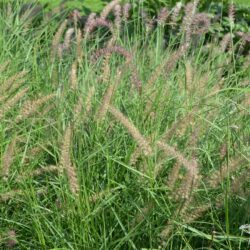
(175, 14)
(73, 180)
(126, 9)
(4, 65)
(31, 107)
(141, 141)
(73, 76)
(8, 105)
(106, 102)
(65, 161)
(189, 76)
(57, 37)
(8, 158)
(79, 50)
(109, 7)
(162, 16)
(191, 166)
(218, 176)
(9, 82)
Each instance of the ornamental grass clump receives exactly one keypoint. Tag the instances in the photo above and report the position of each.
(142, 143)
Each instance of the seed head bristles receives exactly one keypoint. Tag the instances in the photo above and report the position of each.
(2, 98)
(189, 76)
(16, 85)
(193, 139)
(114, 49)
(107, 98)
(223, 151)
(34, 152)
(56, 39)
(239, 181)
(120, 50)
(201, 24)
(178, 213)
(78, 109)
(4, 65)
(242, 46)
(65, 149)
(79, 51)
(60, 50)
(231, 13)
(189, 183)
(105, 65)
(179, 126)
(141, 141)
(93, 198)
(9, 82)
(190, 10)
(143, 213)
(97, 196)
(73, 76)
(89, 100)
(8, 158)
(190, 165)
(135, 79)
(171, 63)
(75, 15)
(108, 8)
(106, 69)
(159, 166)
(46, 110)
(97, 22)
(37, 172)
(173, 176)
(149, 22)
(218, 176)
(244, 36)
(135, 156)
(65, 46)
(225, 42)
(118, 18)
(65, 161)
(155, 75)
(11, 239)
(149, 104)
(106, 102)
(11, 194)
(31, 107)
(126, 9)
(166, 231)
(175, 14)
(88, 105)
(73, 181)
(202, 84)
(68, 37)
(162, 16)
(196, 213)
(246, 101)
(9, 104)
(189, 217)
(192, 216)
(90, 22)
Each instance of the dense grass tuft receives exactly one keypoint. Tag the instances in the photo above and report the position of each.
(116, 137)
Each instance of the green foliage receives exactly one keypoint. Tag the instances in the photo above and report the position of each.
(196, 102)
(85, 6)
